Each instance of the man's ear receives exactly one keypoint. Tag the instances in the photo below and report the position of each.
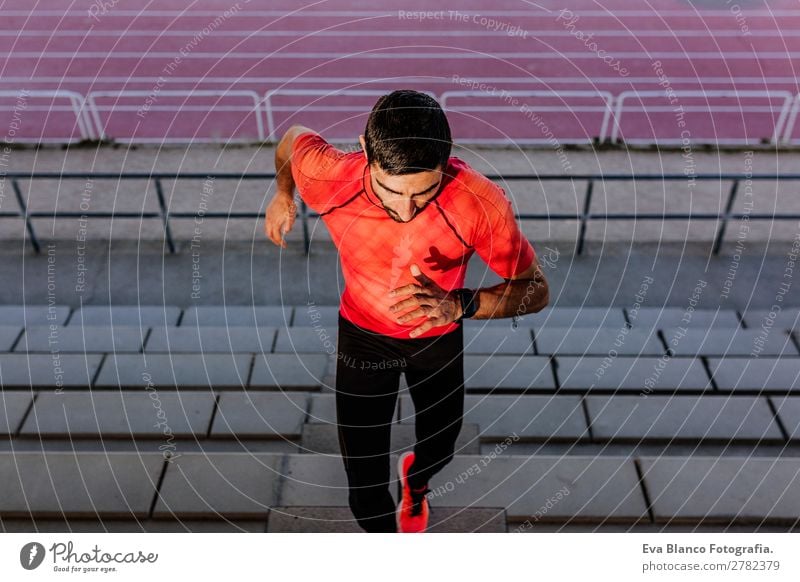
(362, 142)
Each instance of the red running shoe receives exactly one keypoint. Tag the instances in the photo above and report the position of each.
(412, 511)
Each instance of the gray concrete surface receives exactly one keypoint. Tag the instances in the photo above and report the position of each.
(255, 434)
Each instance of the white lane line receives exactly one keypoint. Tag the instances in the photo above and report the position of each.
(582, 55)
(373, 80)
(543, 13)
(769, 33)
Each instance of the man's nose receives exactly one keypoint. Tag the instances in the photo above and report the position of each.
(405, 208)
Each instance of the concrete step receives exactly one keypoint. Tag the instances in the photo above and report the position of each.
(535, 489)
(763, 374)
(337, 519)
(483, 373)
(341, 520)
(210, 339)
(237, 315)
(25, 315)
(9, 336)
(306, 420)
(565, 341)
(664, 317)
(642, 374)
(79, 339)
(483, 340)
(140, 316)
(729, 343)
(751, 490)
(785, 319)
(526, 418)
(489, 340)
(312, 316)
(323, 439)
(43, 525)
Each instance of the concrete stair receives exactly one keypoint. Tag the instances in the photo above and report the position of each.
(223, 419)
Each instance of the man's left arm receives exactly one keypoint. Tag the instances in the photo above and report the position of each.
(503, 246)
(526, 292)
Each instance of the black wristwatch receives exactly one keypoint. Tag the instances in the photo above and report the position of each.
(469, 303)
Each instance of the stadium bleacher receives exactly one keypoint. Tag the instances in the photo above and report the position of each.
(127, 403)
(241, 399)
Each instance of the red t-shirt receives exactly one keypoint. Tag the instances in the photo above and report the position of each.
(470, 214)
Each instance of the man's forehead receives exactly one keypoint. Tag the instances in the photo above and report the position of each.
(413, 184)
(412, 189)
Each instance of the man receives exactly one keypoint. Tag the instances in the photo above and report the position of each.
(405, 217)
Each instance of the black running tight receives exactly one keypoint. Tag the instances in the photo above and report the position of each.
(367, 383)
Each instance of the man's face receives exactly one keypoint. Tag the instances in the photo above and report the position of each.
(403, 197)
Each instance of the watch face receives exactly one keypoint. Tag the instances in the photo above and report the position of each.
(468, 307)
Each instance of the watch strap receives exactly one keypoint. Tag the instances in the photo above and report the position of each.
(469, 304)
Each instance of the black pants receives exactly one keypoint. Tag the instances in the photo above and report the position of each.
(367, 382)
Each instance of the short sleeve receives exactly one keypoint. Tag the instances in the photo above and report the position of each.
(499, 241)
(313, 169)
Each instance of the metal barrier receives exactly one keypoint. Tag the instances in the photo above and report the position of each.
(606, 108)
(790, 123)
(773, 138)
(94, 110)
(269, 108)
(78, 105)
(584, 217)
(92, 126)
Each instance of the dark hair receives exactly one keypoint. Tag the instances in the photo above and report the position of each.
(407, 132)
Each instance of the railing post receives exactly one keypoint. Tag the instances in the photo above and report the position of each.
(164, 216)
(724, 223)
(24, 210)
(585, 216)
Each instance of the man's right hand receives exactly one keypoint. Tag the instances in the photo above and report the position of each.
(280, 217)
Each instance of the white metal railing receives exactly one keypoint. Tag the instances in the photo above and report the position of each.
(91, 125)
(779, 124)
(78, 107)
(101, 126)
(790, 122)
(269, 108)
(606, 108)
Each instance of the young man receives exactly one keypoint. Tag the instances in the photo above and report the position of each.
(405, 217)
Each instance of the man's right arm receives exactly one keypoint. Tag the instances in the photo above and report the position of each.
(282, 209)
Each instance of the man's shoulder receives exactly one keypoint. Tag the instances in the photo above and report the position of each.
(470, 189)
(326, 162)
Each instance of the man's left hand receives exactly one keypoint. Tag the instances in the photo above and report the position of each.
(428, 300)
